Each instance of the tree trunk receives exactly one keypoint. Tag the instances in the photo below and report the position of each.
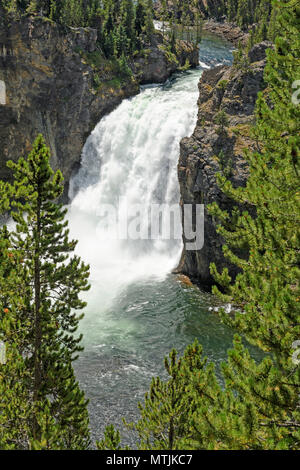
(37, 318)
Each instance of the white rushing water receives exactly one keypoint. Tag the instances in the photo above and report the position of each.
(132, 153)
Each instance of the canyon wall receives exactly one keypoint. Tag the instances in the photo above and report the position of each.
(214, 148)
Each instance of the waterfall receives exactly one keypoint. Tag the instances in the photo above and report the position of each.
(132, 154)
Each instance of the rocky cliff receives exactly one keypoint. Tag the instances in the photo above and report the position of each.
(217, 146)
(58, 83)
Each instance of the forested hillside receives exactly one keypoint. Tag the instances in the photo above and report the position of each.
(96, 56)
(255, 16)
(122, 26)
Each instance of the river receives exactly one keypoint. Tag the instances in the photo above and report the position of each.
(137, 311)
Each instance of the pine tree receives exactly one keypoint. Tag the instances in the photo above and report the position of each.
(231, 10)
(127, 22)
(32, 7)
(50, 281)
(72, 13)
(165, 422)
(242, 13)
(273, 24)
(222, 121)
(111, 440)
(149, 26)
(240, 56)
(14, 401)
(164, 15)
(258, 406)
(140, 17)
(122, 43)
(173, 41)
(199, 27)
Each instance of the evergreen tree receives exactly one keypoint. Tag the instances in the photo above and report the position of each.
(173, 41)
(231, 9)
(273, 30)
(166, 415)
(72, 13)
(127, 21)
(49, 281)
(140, 17)
(222, 121)
(258, 407)
(268, 287)
(164, 15)
(240, 56)
(14, 399)
(111, 440)
(242, 13)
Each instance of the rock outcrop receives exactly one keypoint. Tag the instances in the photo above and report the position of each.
(156, 64)
(214, 148)
(225, 30)
(58, 83)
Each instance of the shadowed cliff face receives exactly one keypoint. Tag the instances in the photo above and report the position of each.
(212, 149)
(58, 84)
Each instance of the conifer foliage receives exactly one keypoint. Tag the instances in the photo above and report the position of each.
(268, 287)
(40, 295)
(121, 24)
(124, 27)
(250, 15)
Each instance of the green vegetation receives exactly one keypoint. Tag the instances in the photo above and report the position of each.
(226, 164)
(258, 406)
(241, 59)
(257, 16)
(223, 84)
(41, 404)
(181, 20)
(123, 26)
(125, 29)
(222, 121)
(163, 424)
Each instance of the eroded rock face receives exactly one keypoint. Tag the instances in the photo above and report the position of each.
(53, 87)
(49, 90)
(211, 150)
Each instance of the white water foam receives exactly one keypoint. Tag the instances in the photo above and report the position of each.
(132, 153)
